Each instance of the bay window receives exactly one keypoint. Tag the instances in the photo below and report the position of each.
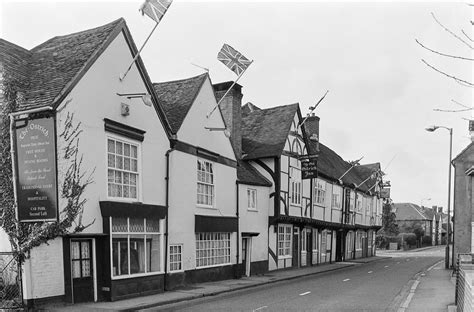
(137, 245)
(212, 249)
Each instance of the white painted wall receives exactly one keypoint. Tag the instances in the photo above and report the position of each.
(255, 221)
(93, 99)
(192, 130)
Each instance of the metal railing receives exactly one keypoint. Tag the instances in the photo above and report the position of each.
(11, 297)
(464, 271)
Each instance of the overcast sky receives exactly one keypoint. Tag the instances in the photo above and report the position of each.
(381, 96)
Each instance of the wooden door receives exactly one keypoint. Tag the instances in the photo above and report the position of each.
(81, 270)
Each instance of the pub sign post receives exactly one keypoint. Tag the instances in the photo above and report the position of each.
(36, 168)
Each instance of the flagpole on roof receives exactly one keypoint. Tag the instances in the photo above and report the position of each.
(313, 108)
(122, 76)
(154, 9)
(370, 176)
(355, 163)
(233, 84)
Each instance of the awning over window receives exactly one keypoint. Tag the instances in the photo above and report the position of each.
(215, 224)
(121, 209)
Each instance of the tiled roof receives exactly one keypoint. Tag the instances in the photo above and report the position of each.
(177, 98)
(264, 131)
(408, 211)
(249, 107)
(53, 65)
(247, 174)
(332, 166)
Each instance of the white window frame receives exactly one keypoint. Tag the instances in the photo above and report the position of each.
(319, 192)
(207, 252)
(303, 241)
(352, 201)
(178, 262)
(139, 168)
(315, 241)
(295, 184)
(251, 193)
(336, 200)
(285, 235)
(212, 186)
(359, 203)
(145, 233)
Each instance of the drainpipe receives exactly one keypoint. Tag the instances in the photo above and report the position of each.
(238, 221)
(168, 152)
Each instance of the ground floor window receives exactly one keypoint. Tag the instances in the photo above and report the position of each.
(315, 240)
(284, 240)
(212, 249)
(137, 245)
(176, 260)
(323, 241)
(303, 241)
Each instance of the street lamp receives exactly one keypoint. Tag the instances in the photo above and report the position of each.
(432, 129)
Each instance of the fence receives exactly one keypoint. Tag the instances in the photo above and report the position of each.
(10, 282)
(464, 282)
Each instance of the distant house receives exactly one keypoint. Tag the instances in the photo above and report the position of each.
(409, 216)
(463, 201)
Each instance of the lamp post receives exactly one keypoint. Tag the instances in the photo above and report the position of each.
(432, 129)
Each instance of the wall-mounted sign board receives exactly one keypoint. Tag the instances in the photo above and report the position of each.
(309, 169)
(36, 170)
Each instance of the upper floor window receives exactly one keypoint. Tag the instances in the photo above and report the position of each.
(205, 183)
(295, 186)
(252, 199)
(359, 203)
(122, 169)
(351, 201)
(336, 196)
(319, 192)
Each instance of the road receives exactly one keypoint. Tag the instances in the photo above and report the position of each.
(376, 286)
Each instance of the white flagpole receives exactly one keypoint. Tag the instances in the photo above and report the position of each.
(367, 178)
(212, 111)
(122, 77)
(347, 171)
(314, 108)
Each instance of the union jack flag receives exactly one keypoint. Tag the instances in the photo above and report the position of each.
(233, 59)
(155, 9)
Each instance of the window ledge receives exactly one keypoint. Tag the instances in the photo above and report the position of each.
(252, 209)
(213, 266)
(206, 206)
(119, 277)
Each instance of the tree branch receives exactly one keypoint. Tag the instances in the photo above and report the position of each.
(452, 33)
(452, 110)
(444, 54)
(465, 106)
(447, 75)
(462, 30)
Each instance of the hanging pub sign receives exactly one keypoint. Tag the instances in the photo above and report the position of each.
(309, 169)
(36, 170)
(385, 193)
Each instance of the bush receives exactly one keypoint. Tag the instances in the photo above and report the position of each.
(409, 239)
(426, 241)
(383, 241)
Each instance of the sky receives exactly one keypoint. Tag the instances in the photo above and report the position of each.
(381, 96)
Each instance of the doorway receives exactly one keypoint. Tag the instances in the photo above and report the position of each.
(82, 270)
(246, 254)
(296, 247)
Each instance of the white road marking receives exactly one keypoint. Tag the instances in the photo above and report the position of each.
(386, 266)
(398, 262)
(370, 272)
(264, 307)
(347, 279)
(305, 293)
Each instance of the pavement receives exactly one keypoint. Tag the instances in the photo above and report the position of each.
(433, 283)
(201, 290)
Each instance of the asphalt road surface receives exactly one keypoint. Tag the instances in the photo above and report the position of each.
(376, 286)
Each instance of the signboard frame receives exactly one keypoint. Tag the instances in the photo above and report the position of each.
(309, 168)
(51, 208)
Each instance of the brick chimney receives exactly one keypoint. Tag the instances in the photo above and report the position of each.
(311, 126)
(440, 209)
(232, 112)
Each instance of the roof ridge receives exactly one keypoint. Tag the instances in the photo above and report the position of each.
(15, 45)
(38, 47)
(180, 80)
